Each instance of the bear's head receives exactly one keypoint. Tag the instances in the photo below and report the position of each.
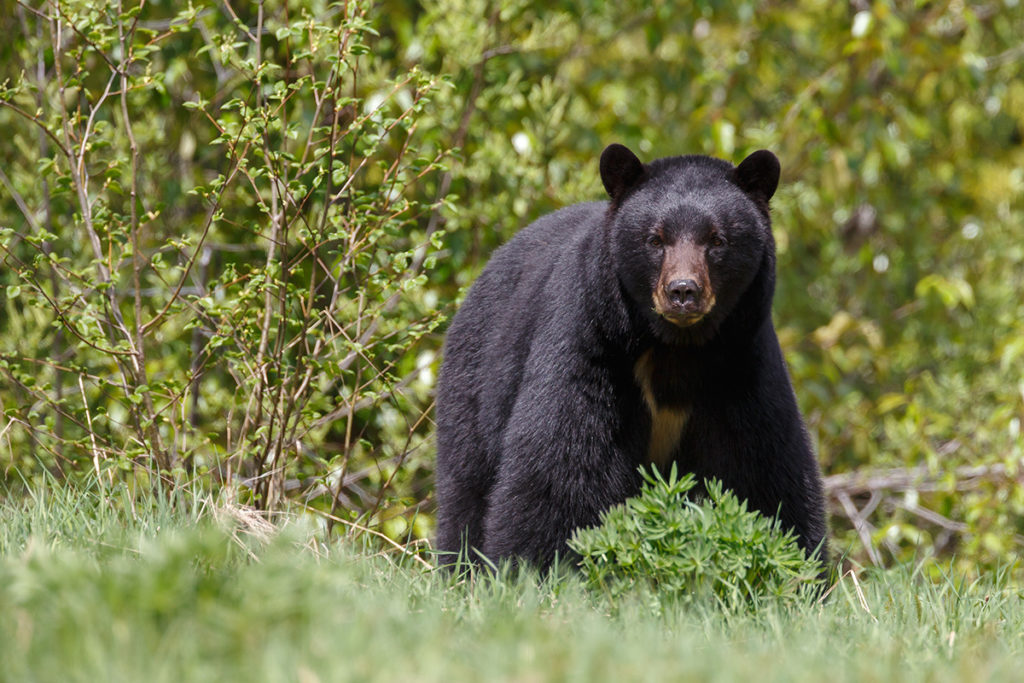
(691, 238)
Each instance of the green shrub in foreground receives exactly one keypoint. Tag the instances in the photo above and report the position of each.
(684, 548)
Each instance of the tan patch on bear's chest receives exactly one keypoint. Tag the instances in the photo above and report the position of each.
(667, 422)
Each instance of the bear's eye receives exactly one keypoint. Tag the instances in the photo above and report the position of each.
(655, 241)
(717, 240)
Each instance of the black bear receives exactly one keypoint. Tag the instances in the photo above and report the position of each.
(612, 334)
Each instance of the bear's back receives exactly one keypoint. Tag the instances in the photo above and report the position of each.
(512, 294)
(491, 336)
(532, 254)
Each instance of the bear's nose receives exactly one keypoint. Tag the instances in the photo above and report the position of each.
(683, 292)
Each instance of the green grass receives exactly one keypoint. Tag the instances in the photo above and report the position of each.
(103, 588)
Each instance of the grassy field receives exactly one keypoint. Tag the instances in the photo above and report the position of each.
(104, 588)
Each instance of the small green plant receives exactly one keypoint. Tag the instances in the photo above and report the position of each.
(685, 547)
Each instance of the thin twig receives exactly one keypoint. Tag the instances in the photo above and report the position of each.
(372, 532)
(861, 526)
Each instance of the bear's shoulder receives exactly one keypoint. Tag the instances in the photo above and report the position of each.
(541, 261)
(552, 232)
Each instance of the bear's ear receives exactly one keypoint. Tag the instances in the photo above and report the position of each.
(620, 170)
(758, 175)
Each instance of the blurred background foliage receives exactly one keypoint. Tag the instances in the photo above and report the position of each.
(232, 233)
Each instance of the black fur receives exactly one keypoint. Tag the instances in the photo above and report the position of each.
(541, 420)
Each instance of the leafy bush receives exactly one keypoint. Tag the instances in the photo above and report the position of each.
(687, 547)
(223, 228)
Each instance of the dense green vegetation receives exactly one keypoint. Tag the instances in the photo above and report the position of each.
(94, 588)
(231, 235)
(686, 548)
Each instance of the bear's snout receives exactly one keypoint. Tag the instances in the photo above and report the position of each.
(684, 295)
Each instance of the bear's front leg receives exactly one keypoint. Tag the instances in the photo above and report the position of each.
(564, 461)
